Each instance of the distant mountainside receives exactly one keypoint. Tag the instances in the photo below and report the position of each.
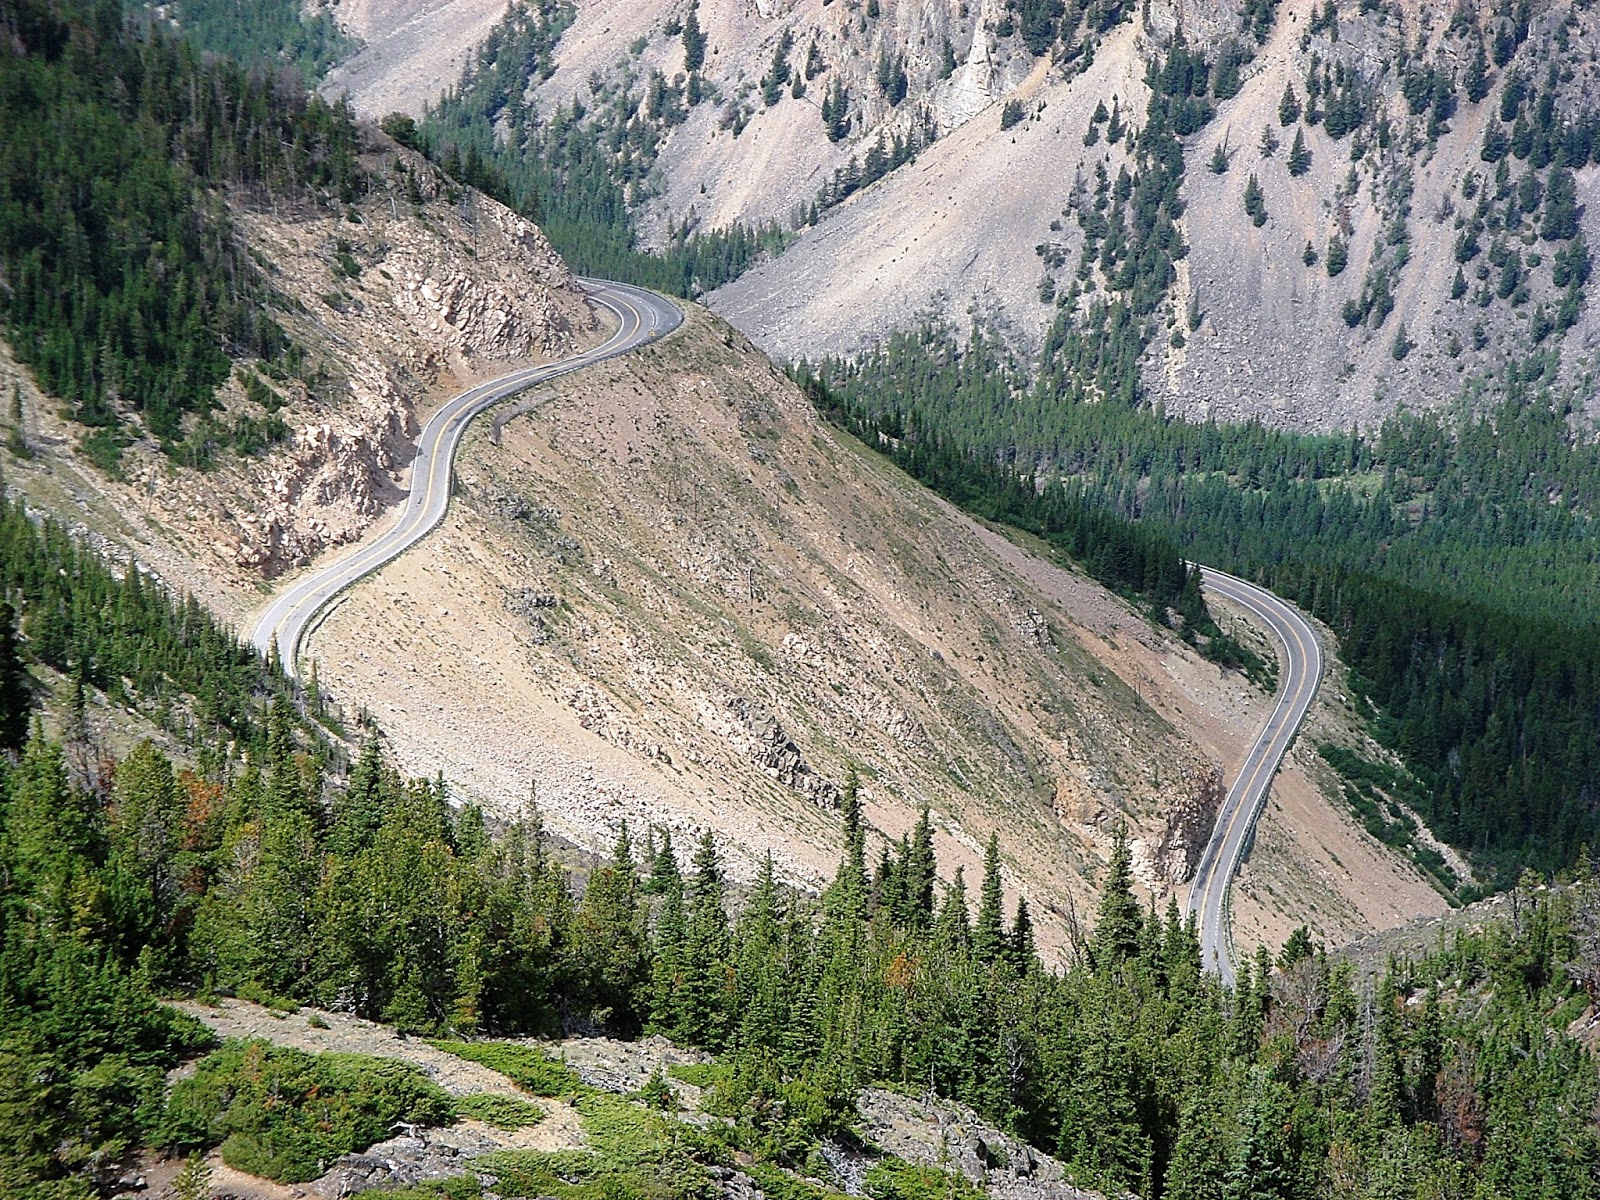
(1419, 214)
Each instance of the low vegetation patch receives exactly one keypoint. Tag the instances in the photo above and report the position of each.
(530, 1068)
(894, 1179)
(286, 1115)
(503, 1112)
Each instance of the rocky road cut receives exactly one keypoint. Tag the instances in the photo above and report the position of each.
(642, 317)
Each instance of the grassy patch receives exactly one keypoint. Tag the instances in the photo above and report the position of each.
(700, 1075)
(636, 1154)
(284, 1114)
(503, 1112)
(777, 1184)
(530, 1068)
(457, 1187)
(894, 1179)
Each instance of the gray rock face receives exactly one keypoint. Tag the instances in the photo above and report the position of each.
(954, 1138)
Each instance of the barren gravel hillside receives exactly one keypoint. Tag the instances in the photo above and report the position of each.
(668, 595)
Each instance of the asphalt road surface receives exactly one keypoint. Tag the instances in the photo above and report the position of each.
(642, 318)
(1299, 673)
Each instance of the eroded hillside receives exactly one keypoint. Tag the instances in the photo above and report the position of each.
(669, 595)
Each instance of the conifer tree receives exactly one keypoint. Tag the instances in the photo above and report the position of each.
(669, 967)
(16, 685)
(989, 935)
(1477, 76)
(954, 927)
(1288, 107)
(694, 41)
(1299, 154)
(706, 965)
(851, 881)
(920, 870)
(1336, 257)
(1118, 925)
(358, 813)
(664, 874)
(1255, 204)
(1024, 955)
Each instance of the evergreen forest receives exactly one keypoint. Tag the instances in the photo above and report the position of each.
(125, 287)
(269, 870)
(1451, 552)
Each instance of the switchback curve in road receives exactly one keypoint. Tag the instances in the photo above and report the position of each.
(642, 318)
(1300, 667)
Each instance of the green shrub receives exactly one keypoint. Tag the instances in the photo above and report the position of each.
(530, 1068)
(634, 1153)
(894, 1179)
(257, 994)
(701, 1075)
(284, 1114)
(777, 1184)
(503, 1112)
(456, 1187)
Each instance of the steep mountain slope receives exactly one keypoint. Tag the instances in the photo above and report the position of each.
(394, 302)
(669, 595)
(411, 49)
(954, 159)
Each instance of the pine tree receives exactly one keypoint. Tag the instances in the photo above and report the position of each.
(1337, 256)
(953, 927)
(1254, 203)
(851, 881)
(989, 935)
(359, 812)
(1477, 77)
(1299, 155)
(664, 873)
(1309, 255)
(1219, 160)
(669, 965)
(1023, 954)
(706, 967)
(920, 869)
(1288, 107)
(1402, 345)
(694, 41)
(1117, 928)
(16, 685)
(836, 111)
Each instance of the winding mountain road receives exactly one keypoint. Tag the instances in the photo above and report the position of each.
(1299, 673)
(642, 317)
